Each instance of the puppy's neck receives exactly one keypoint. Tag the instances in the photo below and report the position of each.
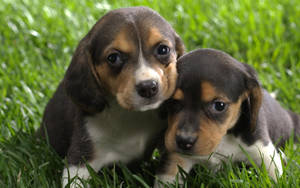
(115, 113)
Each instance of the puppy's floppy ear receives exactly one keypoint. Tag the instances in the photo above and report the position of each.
(179, 46)
(255, 95)
(82, 83)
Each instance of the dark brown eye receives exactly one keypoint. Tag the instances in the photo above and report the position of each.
(163, 50)
(219, 106)
(114, 59)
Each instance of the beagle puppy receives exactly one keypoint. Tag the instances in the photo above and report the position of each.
(103, 111)
(219, 111)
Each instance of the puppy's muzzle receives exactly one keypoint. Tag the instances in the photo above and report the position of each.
(147, 89)
(185, 141)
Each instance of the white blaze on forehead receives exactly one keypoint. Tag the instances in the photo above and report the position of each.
(145, 72)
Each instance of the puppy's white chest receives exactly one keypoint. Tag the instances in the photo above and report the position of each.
(229, 148)
(120, 135)
(235, 149)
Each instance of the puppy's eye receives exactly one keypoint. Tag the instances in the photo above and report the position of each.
(219, 106)
(163, 50)
(114, 59)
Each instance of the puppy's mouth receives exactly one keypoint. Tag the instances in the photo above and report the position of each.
(144, 104)
(137, 103)
(149, 105)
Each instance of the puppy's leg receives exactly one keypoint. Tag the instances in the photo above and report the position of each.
(71, 172)
(81, 153)
(170, 169)
(268, 155)
(80, 171)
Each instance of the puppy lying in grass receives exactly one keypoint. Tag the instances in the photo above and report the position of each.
(219, 111)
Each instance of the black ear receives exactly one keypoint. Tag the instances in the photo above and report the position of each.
(179, 46)
(254, 95)
(82, 83)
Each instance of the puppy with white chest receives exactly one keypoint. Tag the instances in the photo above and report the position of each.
(217, 109)
(104, 109)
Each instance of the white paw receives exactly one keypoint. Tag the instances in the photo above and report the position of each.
(73, 171)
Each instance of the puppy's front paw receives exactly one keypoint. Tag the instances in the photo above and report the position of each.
(71, 173)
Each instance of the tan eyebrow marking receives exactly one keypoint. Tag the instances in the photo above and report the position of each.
(178, 95)
(122, 42)
(154, 36)
(208, 92)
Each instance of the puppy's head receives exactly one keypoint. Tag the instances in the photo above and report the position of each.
(130, 54)
(214, 91)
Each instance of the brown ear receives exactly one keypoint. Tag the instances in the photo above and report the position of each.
(254, 95)
(179, 46)
(82, 83)
(255, 100)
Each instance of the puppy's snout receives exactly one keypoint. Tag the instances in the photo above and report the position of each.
(185, 142)
(147, 89)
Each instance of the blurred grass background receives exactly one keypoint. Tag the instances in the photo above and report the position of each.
(38, 38)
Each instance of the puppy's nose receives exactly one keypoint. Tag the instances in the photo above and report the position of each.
(185, 142)
(147, 89)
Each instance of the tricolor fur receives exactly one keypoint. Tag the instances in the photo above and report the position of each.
(219, 108)
(103, 111)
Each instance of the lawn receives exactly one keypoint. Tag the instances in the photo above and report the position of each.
(38, 38)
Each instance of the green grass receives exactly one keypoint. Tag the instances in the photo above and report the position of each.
(37, 39)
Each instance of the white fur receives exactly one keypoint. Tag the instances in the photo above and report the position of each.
(117, 135)
(142, 73)
(151, 106)
(145, 72)
(230, 148)
(73, 171)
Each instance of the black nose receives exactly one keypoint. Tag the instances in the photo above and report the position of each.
(185, 142)
(147, 89)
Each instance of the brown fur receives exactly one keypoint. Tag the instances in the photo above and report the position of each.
(255, 97)
(178, 95)
(210, 133)
(154, 37)
(208, 91)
